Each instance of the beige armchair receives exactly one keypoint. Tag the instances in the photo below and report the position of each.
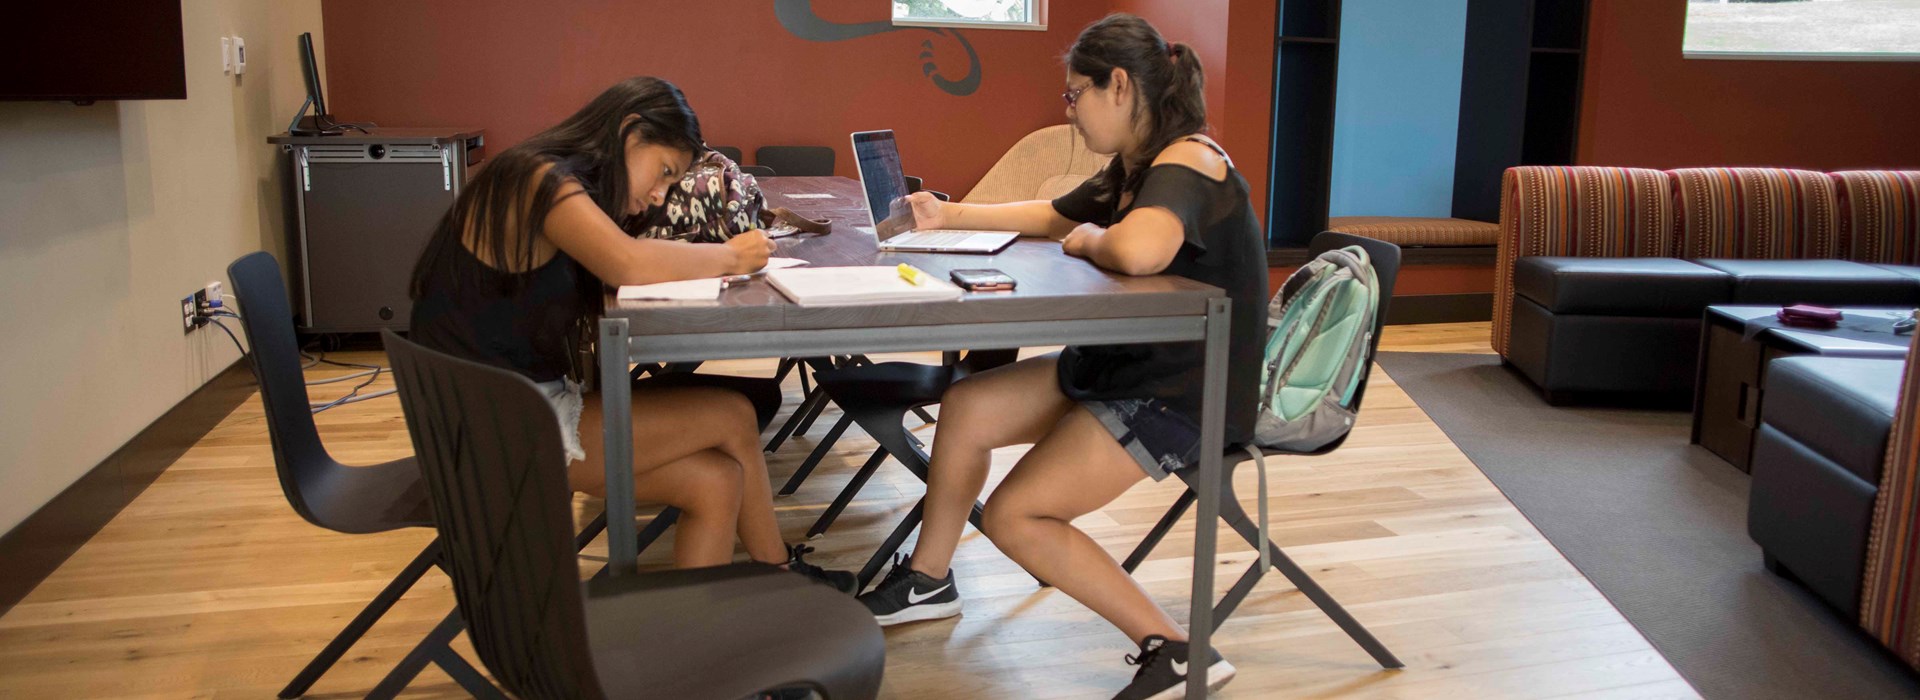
(1043, 165)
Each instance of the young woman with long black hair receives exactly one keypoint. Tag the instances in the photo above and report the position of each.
(525, 254)
(1100, 418)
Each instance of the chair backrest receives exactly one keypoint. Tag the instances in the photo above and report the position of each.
(491, 456)
(1385, 258)
(758, 170)
(796, 160)
(298, 456)
(731, 152)
(1042, 165)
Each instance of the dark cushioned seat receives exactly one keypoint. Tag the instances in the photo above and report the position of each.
(1645, 287)
(1831, 282)
(1817, 460)
(1839, 407)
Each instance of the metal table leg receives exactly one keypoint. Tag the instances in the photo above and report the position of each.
(616, 410)
(1213, 426)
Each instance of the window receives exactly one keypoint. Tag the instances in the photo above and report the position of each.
(979, 14)
(1851, 30)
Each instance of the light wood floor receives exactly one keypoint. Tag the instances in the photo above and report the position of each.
(209, 586)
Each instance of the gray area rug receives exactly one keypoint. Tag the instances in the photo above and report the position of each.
(1659, 526)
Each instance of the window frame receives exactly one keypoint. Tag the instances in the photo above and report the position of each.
(1036, 9)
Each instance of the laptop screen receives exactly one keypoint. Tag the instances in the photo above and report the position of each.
(881, 175)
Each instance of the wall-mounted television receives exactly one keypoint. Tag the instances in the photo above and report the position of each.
(87, 50)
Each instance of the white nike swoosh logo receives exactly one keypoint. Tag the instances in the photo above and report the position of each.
(1180, 668)
(915, 597)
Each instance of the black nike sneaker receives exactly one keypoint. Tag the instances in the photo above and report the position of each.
(842, 580)
(906, 595)
(1163, 671)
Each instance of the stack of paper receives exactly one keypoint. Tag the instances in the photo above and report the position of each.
(843, 286)
(700, 291)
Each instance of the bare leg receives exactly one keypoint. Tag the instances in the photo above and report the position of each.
(1077, 468)
(1011, 405)
(689, 448)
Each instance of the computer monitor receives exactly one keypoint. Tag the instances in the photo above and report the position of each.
(311, 69)
(878, 159)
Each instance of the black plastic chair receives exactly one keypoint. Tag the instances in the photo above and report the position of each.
(915, 184)
(487, 449)
(796, 160)
(878, 398)
(341, 498)
(758, 171)
(731, 152)
(348, 499)
(1386, 266)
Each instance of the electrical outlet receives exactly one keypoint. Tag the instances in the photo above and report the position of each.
(189, 313)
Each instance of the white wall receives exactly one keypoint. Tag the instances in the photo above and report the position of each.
(109, 214)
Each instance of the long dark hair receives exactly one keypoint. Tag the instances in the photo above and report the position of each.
(1169, 89)
(590, 147)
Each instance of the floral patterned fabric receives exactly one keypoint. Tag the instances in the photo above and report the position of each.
(711, 204)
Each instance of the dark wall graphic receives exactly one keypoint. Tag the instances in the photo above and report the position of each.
(798, 17)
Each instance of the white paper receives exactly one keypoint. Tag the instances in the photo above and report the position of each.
(783, 263)
(840, 286)
(684, 291)
(810, 195)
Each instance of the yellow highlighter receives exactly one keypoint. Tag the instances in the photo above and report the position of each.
(912, 275)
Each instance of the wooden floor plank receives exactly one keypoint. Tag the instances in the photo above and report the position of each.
(209, 586)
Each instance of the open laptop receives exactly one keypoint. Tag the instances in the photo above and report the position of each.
(878, 158)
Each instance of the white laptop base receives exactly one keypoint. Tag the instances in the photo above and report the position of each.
(941, 241)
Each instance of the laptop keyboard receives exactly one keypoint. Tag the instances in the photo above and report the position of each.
(937, 238)
(949, 238)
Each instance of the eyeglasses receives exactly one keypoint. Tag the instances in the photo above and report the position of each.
(1072, 96)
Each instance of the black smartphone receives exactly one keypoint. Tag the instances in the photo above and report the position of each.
(985, 280)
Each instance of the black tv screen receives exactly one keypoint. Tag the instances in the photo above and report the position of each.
(85, 50)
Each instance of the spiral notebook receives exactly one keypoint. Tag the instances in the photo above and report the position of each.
(847, 286)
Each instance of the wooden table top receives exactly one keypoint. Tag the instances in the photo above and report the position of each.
(1052, 286)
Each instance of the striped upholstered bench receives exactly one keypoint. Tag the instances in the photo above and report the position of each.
(1411, 231)
(1870, 217)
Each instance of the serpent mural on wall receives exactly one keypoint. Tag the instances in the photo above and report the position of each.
(798, 17)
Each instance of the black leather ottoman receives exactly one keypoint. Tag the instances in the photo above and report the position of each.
(1823, 282)
(1616, 325)
(1816, 469)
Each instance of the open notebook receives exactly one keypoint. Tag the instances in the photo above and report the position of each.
(698, 291)
(844, 286)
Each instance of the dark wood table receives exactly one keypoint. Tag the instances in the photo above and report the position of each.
(1060, 300)
(1731, 384)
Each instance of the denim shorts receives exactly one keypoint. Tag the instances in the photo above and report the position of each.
(1160, 439)
(565, 396)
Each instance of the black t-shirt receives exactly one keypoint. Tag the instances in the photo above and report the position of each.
(1223, 248)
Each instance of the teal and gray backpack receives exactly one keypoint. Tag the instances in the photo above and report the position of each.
(1320, 328)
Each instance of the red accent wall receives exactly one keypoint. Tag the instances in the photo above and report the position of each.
(1644, 105)
(515, 68)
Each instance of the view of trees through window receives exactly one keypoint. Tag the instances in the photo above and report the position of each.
(985, 11)
(1832, 28)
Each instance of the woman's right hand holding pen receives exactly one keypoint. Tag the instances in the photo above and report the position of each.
(750, 251)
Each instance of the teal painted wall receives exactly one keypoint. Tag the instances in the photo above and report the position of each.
(1397, 114)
